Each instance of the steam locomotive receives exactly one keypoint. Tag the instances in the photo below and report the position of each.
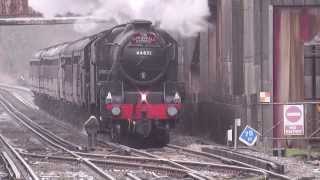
(126, 76)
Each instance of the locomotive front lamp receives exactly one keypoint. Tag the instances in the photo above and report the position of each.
(172, 111)
(143, 97)
(177, 98)
(116, 111)
(109, 98)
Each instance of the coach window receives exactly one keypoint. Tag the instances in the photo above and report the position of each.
(68, 69)
(76, 59)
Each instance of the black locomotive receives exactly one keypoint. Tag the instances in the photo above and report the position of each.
(126, 76)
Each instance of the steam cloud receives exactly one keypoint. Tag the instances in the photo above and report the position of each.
(184, 16)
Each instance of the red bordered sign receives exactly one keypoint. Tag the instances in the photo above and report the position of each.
(293, 116)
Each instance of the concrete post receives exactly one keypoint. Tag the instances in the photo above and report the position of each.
(237, 122)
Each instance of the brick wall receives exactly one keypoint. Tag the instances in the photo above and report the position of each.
(15, 8)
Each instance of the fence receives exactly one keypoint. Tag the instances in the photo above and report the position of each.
(311, 125)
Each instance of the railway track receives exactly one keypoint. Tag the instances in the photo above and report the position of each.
(16, 166)
(122, 165)
(252, 166)
(139, 162)
(234, 160)
(249, 159)
(51, 138)
(35, 128)
(147, 161)
(172, 167)
(69, 148)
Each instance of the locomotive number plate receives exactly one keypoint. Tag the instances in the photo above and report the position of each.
(144, 53)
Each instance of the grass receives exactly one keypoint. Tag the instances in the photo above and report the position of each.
(293, 152)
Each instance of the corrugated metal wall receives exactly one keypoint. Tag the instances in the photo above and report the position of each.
(294, 27)
(237, 65)
(218, 66)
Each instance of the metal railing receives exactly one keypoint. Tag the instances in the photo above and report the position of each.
(311, 115)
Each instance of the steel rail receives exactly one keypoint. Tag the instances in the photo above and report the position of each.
(29, 123)
(114, 162)
(185, 163)
(133, 177)
(29, 170)
(193, 173)
(142, 159)
(15, 87)
(119, 157)
(253, 160)
(45, 137)
(168, 170)
(178, 164)
(228, 160)
(11, 167)
(223, 166)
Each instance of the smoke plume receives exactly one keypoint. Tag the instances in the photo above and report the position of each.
(184, 16)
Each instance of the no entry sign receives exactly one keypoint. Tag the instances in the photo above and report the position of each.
(293, 116)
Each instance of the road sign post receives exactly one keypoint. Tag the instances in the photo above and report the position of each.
(237, 122)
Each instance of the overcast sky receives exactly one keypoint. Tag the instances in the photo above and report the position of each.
(187, 17)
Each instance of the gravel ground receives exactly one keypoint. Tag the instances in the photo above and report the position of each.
(59, 170)
(173, 154)
(3, 173)
(57, 127)
(19, 136)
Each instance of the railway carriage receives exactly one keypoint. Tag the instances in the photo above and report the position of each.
(126, 76)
